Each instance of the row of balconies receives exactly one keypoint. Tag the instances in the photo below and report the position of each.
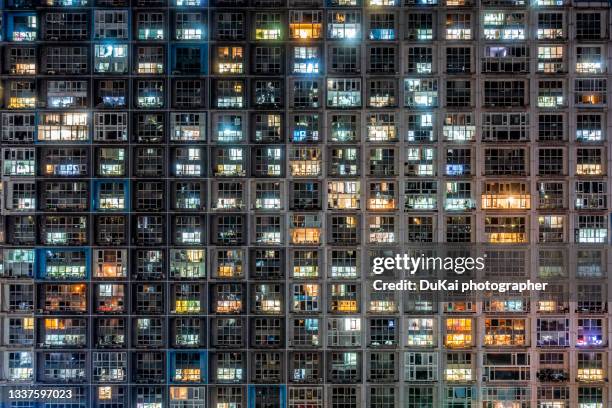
(340, 24)
(342, 93)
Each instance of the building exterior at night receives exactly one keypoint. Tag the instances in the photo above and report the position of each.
(192, 194)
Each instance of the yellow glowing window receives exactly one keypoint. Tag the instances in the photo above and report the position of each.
(28, 323)
(187, 374)
(547, 305)
(506, 196)
(343, 195)
(590, 374)
(110, 270)
(227, 271)
(24, 69)
(458, 332)
(229, 306)
(21, 103)
(187, 306)
(105, 393)
(230, 60)
(589, 169)
(55, 324)
(271, 305)
(179, 393)
(504, 332)
(345, 306)
(382, 306)
(305, 24)
(305, 30)
(305, 235)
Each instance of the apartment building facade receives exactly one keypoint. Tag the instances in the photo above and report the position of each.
(193, 191)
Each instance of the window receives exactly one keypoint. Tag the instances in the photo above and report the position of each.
(420, 127)
(591, 195)
(550, 26)
(382, 26)
(506, 229)
(344, 59)
(268, 26)
(343, 264)
(343, 24)
(551, 127)
(550, 59)
(268, 60)
(552, 332)
(306, 60)
(382, 60)
(550, 94)
(305, 229)
(420, 26)
(458, 162)
(589, 162)
(505, 161)
(588, 26)
(420, 93)
(590, 367)
(420, 195)
(305, 24)
(590, 91)
(229, 26)
(458, 60)
(381, 127)
(305, 161)
(551, 162)
(505, 332)
(499, 25)
(589, 127)
(344, 93)
(458, 26)
(18, 128)
(505, 127)
(230, 59)
(344, 332)
(589, 60)
(189, 26)
(420, 60)
(507, 58)
(306, 94)
(458, 332)
(382, 93)
(421, 332)
(459, 228)
(56, 60)
(150, 26)
(420, 229)
(229, 94)
(590, 333)
(111, 24)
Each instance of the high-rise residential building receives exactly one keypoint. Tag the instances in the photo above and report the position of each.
(193, 192)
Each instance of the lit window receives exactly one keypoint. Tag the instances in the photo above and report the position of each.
(306, 60)
(458, 332)
(550, 59)
(505, 332)
(506, 196)
(24, 28)
(230, 60)
(267, 26)
(589, 60)
(420, 93)
(305, 24)
(344, 25)
(504, 26)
